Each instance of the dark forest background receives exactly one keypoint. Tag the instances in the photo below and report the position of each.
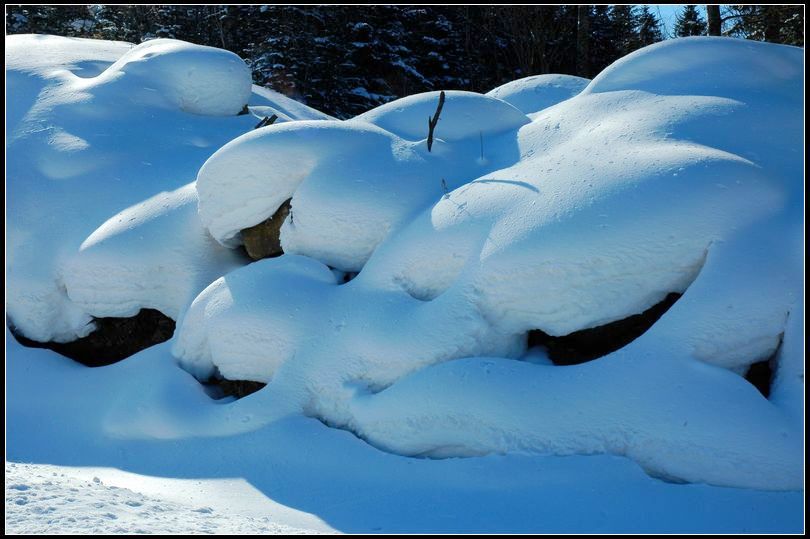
(344, 60)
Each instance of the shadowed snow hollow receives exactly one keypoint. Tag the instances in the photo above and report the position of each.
(679, 169)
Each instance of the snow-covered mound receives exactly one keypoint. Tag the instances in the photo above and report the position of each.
(464, 115)
(172, 73)
(642, 185)
(153, 254)
(538, 92)
(734, 68)
(351, 183)
(95, 131)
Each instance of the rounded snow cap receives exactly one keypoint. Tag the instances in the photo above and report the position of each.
(464, 114)
(193, 78)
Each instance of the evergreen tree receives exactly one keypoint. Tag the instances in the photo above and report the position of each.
(602, 49)
(346, 59)
(624, 24)
(690, 23)
(776, 24)
(649, 28)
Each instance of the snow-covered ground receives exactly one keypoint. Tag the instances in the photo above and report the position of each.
(548, 204)
(130, 425)
(47, 499)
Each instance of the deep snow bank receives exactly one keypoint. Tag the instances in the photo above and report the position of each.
(100, 131)
(645, 184)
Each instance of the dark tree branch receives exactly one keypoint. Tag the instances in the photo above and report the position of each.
(434, 120)
(266, 121)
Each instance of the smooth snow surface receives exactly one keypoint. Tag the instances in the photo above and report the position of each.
(106, 134)
(538, 92)
(677, 169)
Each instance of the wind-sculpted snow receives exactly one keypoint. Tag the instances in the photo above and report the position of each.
(99, 131)
(538, 92)
(667, 174)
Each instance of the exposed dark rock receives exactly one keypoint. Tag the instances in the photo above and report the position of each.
(760, 374)
(244, 111)
(263, 240)
(113, 339)
(219, 388)
(589, 344)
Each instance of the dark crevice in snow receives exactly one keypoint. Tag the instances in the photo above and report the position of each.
(589, 344)
(113, 339)
(343, 277)
(221, 388)
(760, 374)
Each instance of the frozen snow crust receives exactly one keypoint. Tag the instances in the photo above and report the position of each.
(111, 135)
(678, 169)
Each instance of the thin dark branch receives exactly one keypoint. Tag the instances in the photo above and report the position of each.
(434, 120)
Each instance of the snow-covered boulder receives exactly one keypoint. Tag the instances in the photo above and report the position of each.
(351, 183)
(538, 92)
(642, 185)
(153, 254)
(106, 134)
(193, 78)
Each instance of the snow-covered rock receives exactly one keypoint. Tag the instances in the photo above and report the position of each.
(538, 92)
(650, 181)
(153, 254)
(351, 183)
(192, 78)
(678, 169)
(107, 134)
